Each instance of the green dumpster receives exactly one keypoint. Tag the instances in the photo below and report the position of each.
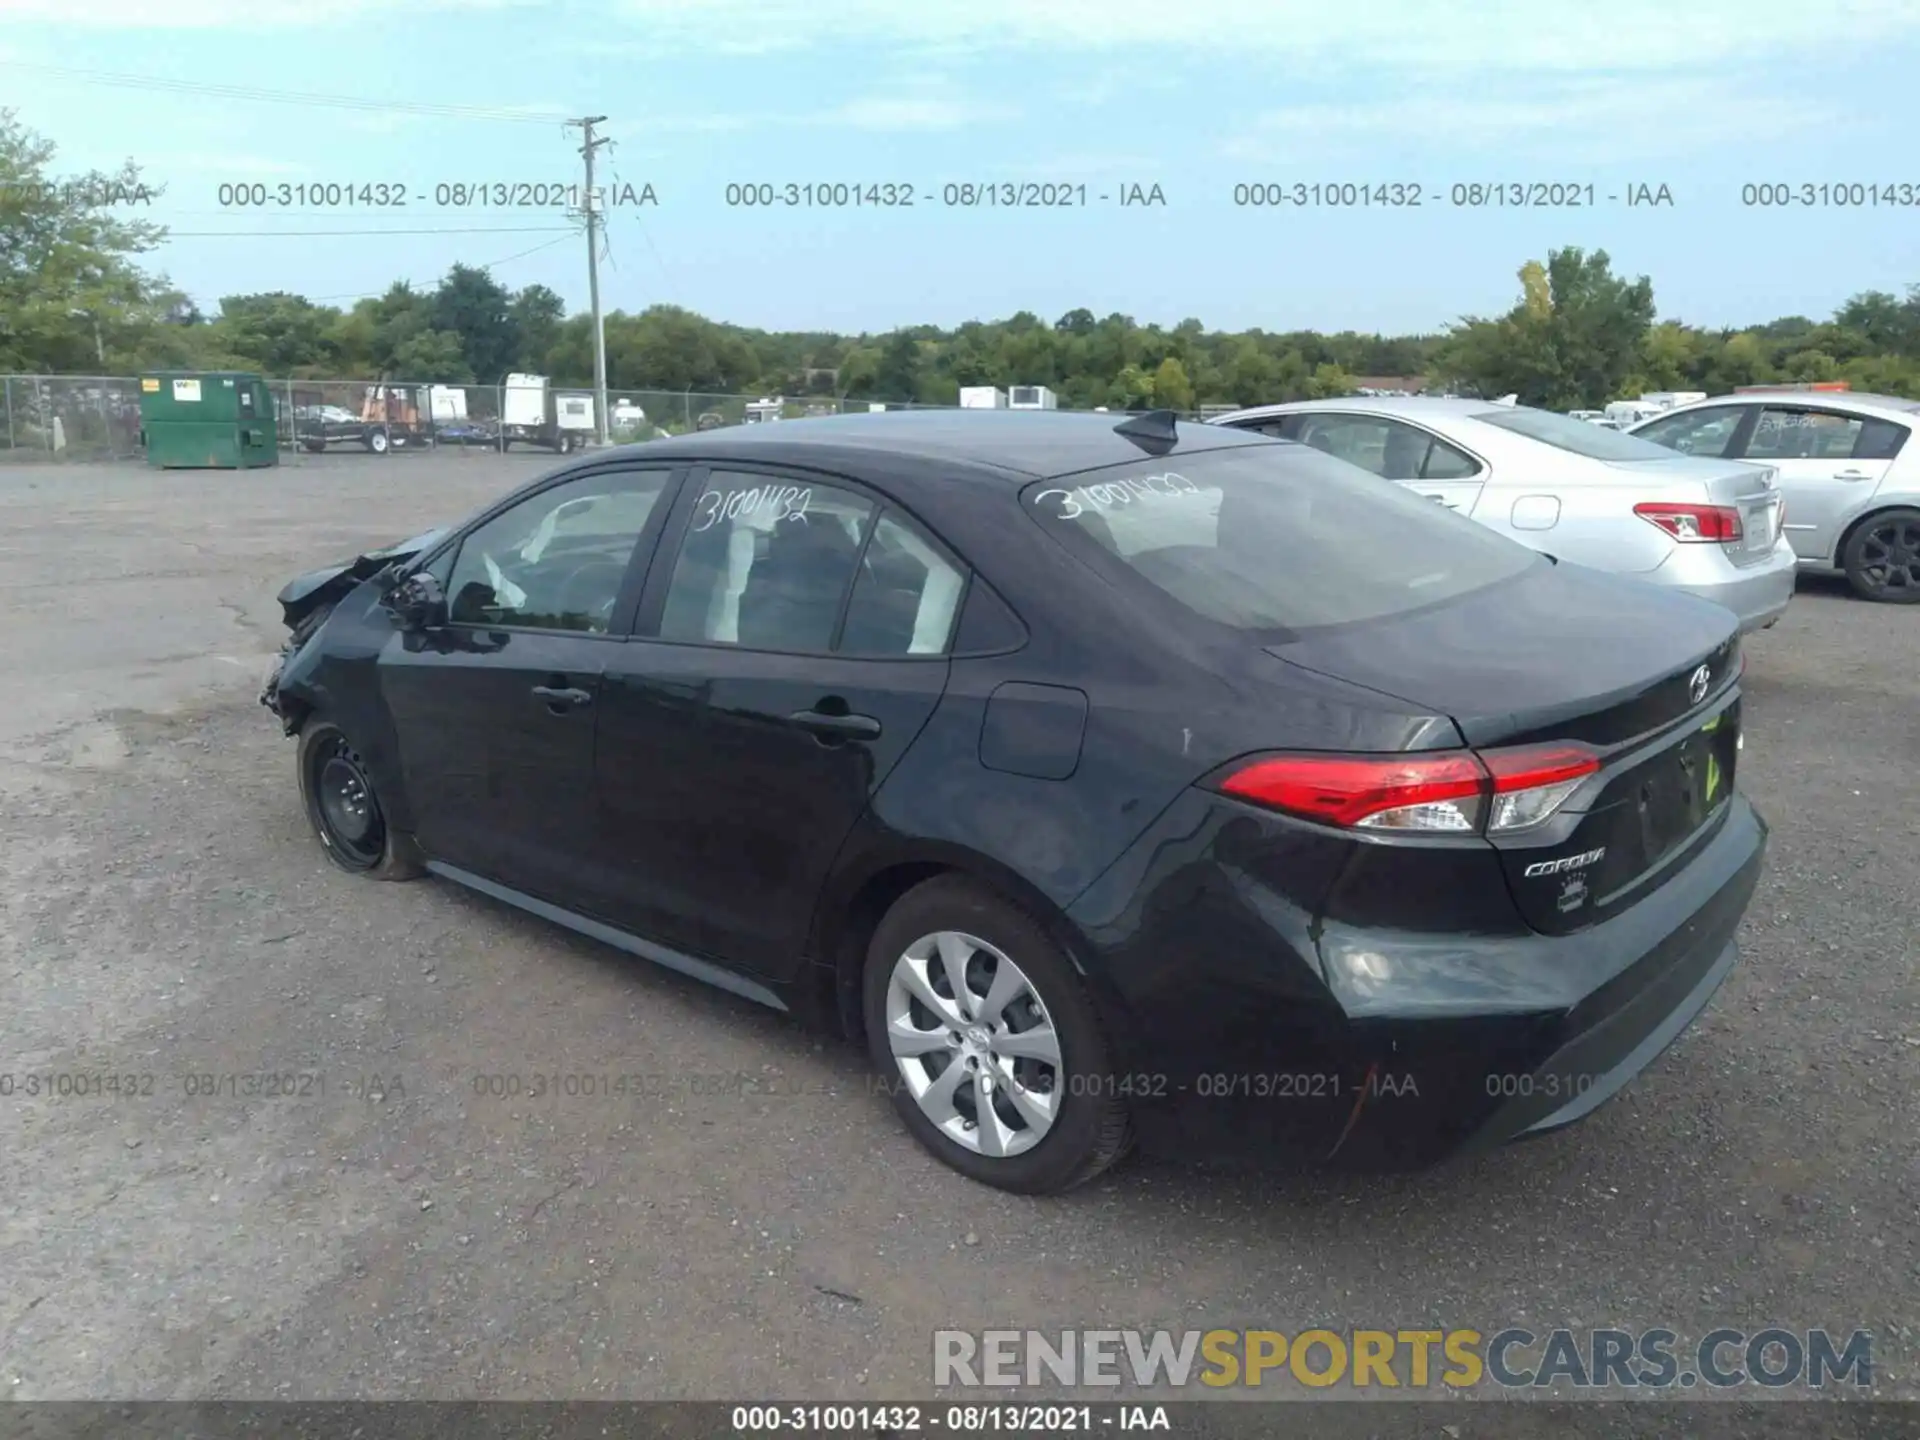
(208, 420)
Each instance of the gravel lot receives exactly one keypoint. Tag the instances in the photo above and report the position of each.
(166, 914)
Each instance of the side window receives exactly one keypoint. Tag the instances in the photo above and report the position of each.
(1446, 463)
(1389, 448)
(1697, 432)
(905, 596)
(1803, 435)
(1879, 440)
(766, 563)
(557, 560)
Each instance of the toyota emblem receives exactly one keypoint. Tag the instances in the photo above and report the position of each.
(1697, 684)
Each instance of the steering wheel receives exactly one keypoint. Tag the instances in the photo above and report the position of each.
(582, 591)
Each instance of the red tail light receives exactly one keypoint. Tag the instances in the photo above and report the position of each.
(1693, 523)
(1452, 792)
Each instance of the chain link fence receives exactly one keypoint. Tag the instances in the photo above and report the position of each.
(78, 418)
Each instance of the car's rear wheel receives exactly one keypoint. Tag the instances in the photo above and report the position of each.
(995, 1054)
(377, 441)
(345, 810)
(1882, 558)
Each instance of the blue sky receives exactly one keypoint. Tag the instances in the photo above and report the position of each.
(1703, 97)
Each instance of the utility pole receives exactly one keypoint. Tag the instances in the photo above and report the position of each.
(590, 206)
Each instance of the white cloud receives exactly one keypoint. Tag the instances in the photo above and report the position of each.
(1477, 38)
(907, 112)
(217, 15)
(251, 167)
(1487, 36)
(1070, 169)
(1598, 121)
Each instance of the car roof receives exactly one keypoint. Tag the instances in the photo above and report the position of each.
(1021, 445)
(1380, 404)
(1830, 399)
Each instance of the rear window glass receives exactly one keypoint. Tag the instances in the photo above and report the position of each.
(1275, 537)
(1580, 437)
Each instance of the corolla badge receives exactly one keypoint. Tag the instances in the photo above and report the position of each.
(1697, 684)
(1573, 894)
(1564, 864)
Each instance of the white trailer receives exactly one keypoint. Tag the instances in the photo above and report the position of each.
(982, 397)
(1032, 397)
(533, 414)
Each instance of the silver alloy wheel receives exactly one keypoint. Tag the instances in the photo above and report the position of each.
(974, 1043)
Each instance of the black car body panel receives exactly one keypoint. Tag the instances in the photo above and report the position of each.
(1344, 994)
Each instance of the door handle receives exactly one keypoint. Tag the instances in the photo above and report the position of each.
(836, 727)
(1852, 475)
(558, 698)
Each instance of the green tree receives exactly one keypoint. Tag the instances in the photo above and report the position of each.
(278, 333)
(471, 304)
(71, 296)
(536, 313)
(1171, 388)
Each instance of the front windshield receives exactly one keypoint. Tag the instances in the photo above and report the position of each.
(1275, 536)
(1580, 437)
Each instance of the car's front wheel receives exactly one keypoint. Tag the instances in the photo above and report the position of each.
(345, 810)
(994, 1053)
(1882, 558)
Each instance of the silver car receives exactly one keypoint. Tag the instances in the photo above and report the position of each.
(1848, 469)
(1565, 487)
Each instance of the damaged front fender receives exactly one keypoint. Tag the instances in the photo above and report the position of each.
(306, 602)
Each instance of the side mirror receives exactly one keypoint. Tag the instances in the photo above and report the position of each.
(417, 603)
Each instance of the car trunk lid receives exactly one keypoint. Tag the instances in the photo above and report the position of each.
(1750, 491)
(1643, 678)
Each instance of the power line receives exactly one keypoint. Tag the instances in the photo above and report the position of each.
(443, 230)
(486, 265)
(285, 97)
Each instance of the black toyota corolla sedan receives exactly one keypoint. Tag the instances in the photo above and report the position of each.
(1111, 781)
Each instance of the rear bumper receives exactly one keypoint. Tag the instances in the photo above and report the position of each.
(1757, 594)
(1417, 1047)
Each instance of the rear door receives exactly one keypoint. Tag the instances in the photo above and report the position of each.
(1830, 464)
(792, 644)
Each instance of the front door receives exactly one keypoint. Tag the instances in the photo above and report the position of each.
(495, 711)
(1830, 464)
(792, 645)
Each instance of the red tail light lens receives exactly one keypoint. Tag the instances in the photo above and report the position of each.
(1452, 792)
(1693, 524)
(1376, 791)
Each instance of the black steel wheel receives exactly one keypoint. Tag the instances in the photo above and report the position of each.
(344, 808)
(1882, 558)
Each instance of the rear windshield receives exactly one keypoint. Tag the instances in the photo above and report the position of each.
(1275, 536)
(1563, 432)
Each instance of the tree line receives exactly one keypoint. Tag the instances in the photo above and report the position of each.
(75, 299)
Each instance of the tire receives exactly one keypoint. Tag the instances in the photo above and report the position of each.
(327, 761)
(1882, 557)
(1088, 1130)
(314, 447)
(563, 445)
(377, 441)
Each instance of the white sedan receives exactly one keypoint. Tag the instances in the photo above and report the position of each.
(1577, 491)
(1849, 469)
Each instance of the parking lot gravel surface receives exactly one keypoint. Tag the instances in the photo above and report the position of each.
(754, 1222)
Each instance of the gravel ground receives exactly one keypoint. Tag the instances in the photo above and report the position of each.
(392, 1233)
